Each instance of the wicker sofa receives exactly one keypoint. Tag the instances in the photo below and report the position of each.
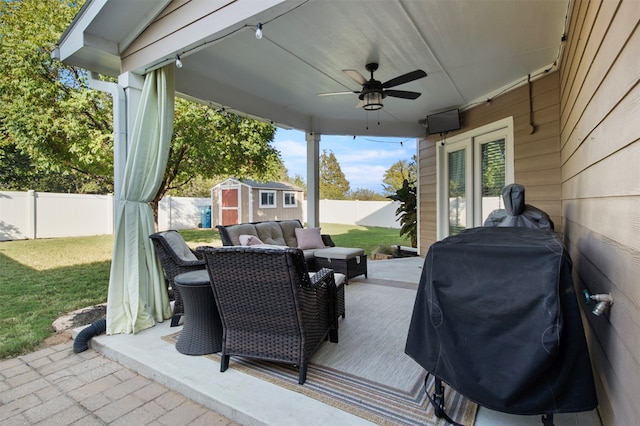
(273, 232)
(319, 249)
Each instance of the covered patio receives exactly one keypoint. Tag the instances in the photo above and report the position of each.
(560, 76)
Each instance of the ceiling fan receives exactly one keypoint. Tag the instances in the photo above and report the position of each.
(373, 91)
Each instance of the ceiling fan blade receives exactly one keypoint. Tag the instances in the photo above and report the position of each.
(402, 94)
(336, 93)
(355, 76)
(360, 104)
(405, 78)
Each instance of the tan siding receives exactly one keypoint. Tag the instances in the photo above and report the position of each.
(536, 155)
(427, 195)
(215, 207)
(623, 123)
(535, 147)
(602, 263)
(277, 213)
(610, 76)
(600, 140)
(245, 193)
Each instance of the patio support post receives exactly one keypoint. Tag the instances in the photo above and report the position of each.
(137, 298)
(132, 86)
(313, 179)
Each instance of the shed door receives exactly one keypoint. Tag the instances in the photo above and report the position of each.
(230, 206)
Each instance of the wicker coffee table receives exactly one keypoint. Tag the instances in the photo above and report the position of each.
(202, 331)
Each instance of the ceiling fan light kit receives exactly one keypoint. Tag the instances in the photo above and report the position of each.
(372, 100)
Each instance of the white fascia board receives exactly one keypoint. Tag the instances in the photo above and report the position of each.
(192, 35)
(72, 40)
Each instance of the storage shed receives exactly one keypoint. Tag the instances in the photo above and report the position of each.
(243, 200)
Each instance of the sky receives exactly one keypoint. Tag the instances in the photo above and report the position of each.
(363, 160)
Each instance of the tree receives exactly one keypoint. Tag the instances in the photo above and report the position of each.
(210, 144)
(396, 174)
(407, 212)
(52, 122)
(363, 194)
(333, 183)
(298, 181)
(46, 112)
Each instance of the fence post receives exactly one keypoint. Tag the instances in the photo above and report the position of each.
(31, 214)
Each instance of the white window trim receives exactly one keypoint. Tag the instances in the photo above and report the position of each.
(284, 199)
(268, 206)
(469, 140)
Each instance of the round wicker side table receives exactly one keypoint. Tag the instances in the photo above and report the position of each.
(202, 331)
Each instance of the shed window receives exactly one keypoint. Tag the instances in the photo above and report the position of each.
(267, 199)
(289, 199)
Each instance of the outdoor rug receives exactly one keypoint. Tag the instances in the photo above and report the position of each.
(367, 373)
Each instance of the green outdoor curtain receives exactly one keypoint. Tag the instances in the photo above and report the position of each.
(137, 296)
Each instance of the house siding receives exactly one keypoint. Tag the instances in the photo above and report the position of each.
(245, 205)
(279, 212)
(600, 154)
(536, 155)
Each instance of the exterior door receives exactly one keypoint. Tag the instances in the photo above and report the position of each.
(230, 205)
(472, 170)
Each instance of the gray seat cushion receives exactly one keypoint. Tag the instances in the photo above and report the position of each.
(338, 253)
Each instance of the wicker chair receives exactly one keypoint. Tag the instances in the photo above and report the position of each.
(175, 257)
(269, 306)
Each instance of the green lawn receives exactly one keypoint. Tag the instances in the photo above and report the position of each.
(42, 279)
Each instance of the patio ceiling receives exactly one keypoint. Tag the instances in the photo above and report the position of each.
(470, 49)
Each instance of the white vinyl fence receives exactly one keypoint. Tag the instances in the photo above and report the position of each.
(31, 215)
(363, 213)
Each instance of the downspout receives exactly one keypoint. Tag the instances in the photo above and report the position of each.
(119, 127)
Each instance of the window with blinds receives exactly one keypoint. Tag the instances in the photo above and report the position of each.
(492, 175)
(457, 191)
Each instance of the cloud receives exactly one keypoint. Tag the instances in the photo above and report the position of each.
(367, 177)
(294, 156)
(291, 148)
(369, 156)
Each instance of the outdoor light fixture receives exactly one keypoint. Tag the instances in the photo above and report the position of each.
(259, 31)
(372, 100)
(178, 62)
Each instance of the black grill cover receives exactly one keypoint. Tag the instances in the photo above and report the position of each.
(516, 212)
(496, 317)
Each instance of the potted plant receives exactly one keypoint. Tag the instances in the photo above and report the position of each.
(407, 211)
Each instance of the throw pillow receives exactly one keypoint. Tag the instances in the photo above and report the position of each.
(309, 238)
(249, 240)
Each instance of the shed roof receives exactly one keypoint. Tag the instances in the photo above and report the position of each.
(278, 186)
